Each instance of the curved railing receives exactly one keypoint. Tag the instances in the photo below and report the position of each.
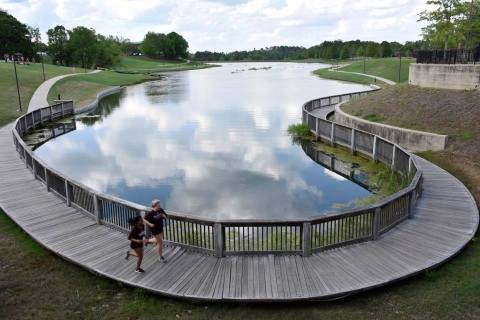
(226, 237)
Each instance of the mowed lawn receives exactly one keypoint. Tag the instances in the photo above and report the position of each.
(83, 88)
(387, 68)
(29, 78)
(146, 65)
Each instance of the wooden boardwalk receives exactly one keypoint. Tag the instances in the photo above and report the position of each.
(445, 220)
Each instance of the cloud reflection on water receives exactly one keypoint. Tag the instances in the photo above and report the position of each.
(208, 142)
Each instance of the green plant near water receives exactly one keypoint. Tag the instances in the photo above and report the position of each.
(299, 130)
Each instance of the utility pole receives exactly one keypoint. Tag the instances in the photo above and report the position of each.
(400, 67)
(364, 59)
(84, 64)
(16, 80)
(43, 68)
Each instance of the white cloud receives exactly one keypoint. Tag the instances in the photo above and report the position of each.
(231, 25)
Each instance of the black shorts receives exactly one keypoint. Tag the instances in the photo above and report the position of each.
(135, 246)
(157, 230)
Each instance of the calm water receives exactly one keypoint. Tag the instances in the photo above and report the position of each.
(209, 142)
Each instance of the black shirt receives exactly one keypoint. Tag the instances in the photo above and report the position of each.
(155, 217)
(137, 234)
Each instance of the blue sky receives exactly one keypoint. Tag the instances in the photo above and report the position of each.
(227, 25)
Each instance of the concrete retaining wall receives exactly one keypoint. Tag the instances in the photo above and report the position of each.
(412, 140)
(92, 105)
(445, 76)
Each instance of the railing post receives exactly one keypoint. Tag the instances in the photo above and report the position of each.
(34, 169)
(394, 151)
(410, 166)
(306, 240)
(353, 142)
(96, 209)
(68, 195)
(47, 179)
(51, 113)
(63, 110)
(316, 128)
(219, 239)
(332, 134)
(411, 205)
(374, 152)
(376, 223)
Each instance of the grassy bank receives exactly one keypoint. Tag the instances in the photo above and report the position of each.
(387, 68)
(83, 89)
(29, 78)
(326, 73)
(147, 65)
(38, 285)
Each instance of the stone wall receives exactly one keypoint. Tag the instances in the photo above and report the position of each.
(412, 140)
(445, 76)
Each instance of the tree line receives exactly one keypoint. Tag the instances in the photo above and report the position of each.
(82, 46)
(330, 50)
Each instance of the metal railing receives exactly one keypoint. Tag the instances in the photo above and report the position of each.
(227, 237)
(449, 56)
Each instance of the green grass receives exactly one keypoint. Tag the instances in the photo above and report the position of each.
(383, 67)
(374, 117)
(147, 65)
(341, 76)
(29, 77)
(84, 88)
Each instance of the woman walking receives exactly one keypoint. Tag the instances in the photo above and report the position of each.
(154, 220)
(136, 241)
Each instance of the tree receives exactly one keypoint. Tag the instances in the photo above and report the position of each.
(36, 38)
(14, 36)
(469, 23)
(108, 52)
(158, 45)
(82, 46)
(57, 44)
(441, 21)
(179, 44)
(386, 49)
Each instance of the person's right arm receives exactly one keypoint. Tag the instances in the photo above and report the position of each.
(148, 223)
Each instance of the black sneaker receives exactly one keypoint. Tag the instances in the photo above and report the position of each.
(162, 259)
(139, 270)
(127, 256)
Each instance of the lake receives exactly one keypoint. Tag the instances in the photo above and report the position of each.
(209, 142)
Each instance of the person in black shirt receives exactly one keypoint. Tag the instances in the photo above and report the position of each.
(136, 241)
(154, 220)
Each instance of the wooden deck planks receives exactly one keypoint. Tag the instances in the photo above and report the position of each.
(445, 220)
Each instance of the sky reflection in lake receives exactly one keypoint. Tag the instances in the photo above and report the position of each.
(208, 142)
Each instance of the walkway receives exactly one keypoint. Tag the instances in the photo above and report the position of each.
(40, 96)
(445, 220)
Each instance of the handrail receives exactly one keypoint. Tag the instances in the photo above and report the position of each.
(237, 236)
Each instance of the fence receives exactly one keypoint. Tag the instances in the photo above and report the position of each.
(227, 237)
(449, 56)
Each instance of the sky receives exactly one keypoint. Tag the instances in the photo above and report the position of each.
(228, 25)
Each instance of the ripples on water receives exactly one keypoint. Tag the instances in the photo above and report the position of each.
(208, 142)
